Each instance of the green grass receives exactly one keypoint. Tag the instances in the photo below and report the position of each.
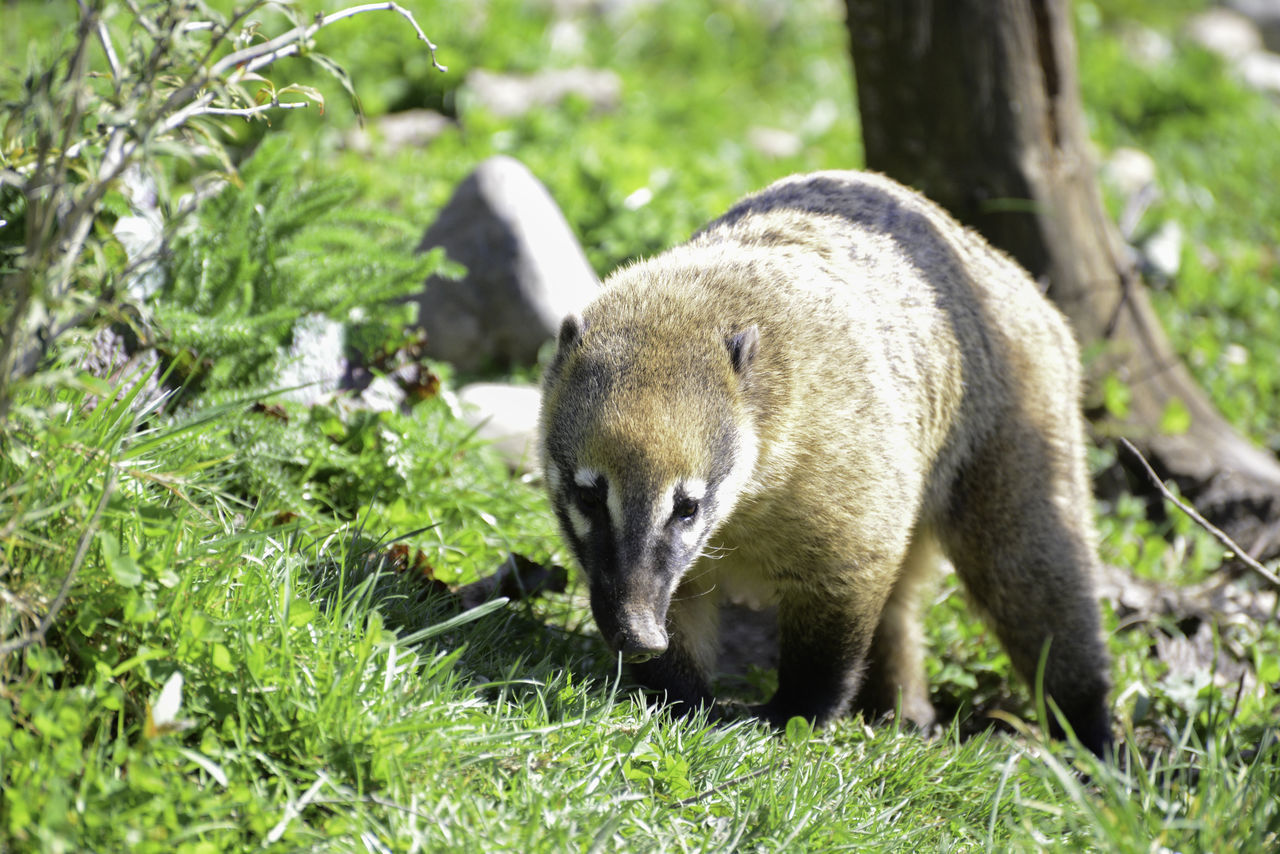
(331, 701)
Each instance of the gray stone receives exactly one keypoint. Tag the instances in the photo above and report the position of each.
(110, 357)
(405, 129)
(1265, 14)
(510, 95)
(525, 270)
(506, 416)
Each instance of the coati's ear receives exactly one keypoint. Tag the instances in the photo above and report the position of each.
(571, 329)
(570, 332)
(742, 348)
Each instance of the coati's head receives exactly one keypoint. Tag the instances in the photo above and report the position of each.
(646, 447)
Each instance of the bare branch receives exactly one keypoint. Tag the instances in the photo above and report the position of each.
(108, 47)
(1217, 532)
(252, 111)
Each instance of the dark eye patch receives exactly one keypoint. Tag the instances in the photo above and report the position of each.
(592, 497)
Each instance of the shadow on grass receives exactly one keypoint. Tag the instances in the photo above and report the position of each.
(532, 639)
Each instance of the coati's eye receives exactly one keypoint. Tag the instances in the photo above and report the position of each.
(590, 489)
(592, 497)
(685, 509)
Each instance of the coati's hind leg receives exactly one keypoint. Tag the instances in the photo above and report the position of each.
(1020, 534)
(894, 679)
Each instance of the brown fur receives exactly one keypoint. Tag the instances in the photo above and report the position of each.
(859, 382)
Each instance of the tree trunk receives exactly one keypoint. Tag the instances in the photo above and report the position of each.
(976, 104)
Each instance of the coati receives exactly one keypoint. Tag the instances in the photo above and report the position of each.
(806, 404)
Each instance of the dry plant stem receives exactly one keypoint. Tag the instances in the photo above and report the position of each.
(1217, 533)
(252, 58)
(82, 548)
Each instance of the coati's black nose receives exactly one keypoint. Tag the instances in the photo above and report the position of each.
(638, 647)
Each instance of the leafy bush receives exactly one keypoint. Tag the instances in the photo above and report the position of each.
(79, 124)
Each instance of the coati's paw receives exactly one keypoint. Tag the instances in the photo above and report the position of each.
(777, 714)
(916, 715)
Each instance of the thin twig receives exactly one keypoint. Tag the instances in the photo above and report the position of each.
(293, 809)
(1217, 532)
(252, 111)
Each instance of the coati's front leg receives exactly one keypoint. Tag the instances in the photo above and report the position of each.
(823, 641)
(682, 674)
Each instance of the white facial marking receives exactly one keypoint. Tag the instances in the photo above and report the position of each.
(744, 465)
(553, 478)
(695, 488)
(581, 524)
(585, 476)
(662, 506)
(613, 500)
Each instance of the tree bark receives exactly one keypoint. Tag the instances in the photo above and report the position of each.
(976, 103)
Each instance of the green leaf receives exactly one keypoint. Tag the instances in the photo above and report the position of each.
(799, 731)
(1176, 418)
(300, 612)
(1116, 396)
(1269, 670)
(123, 568)
(222, 658)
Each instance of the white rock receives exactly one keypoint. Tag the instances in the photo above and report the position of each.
(412, 128)
(1226, 33)
(1128, 170)
(1265, 14)
(1163, 250)
(567, 38)
(141, 234)
(775, 142)
(510, 95)
(382, 395)
(1146, 45)
(142, 238)
(1261, 70)
(635, 201)
(525, 270)
(507, 416)
(314, 364)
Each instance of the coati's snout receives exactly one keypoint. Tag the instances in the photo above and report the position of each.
(638, 637)
(631, 614)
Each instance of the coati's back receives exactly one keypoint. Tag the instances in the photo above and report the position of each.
(801, 389)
